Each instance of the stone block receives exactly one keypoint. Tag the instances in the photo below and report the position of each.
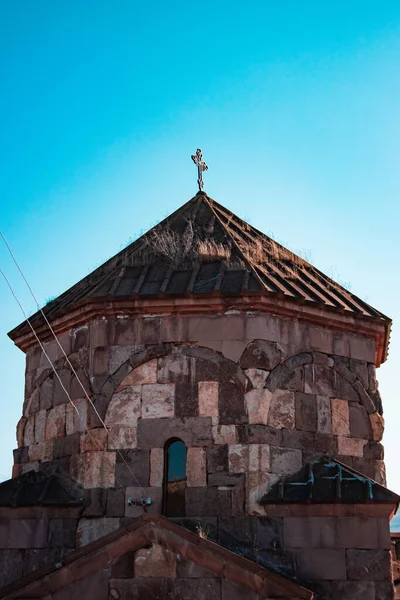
(124, 407)
(294, 381)
(155, 561)
(115, 506)
(77, 416)
(173, 368)
(306, 412)
(369, 565)
(29, 432)
(32, 405)
(321, 563)
(377, 425)
(360, 426)
(260, 354)
(80, 338)
(143, 374)
(56, 422)
(40, 424)
(379, 472)
(90, 530)
(324, 418)
(259, 458)
(99, 469)
(340, 417)
(154, 433)
(238, 458)
(358, 532)
(27, 533)
(20, 432)
(196, 467)
(259, 434)
(364, 397)
(374, 450)
(95, 502)
(156, 467)
(257, 403)
(285, 461)
(40, 557)
(94, 440)
(62, 533)
(61, 389)
(224, 434)
(122, 438)
(139, 493)
(121, 354)
(133, 467)
(233, 349)
(99, 361)
(21, 455)
(282, 410)
(257, 484)
(231, 402)
(360, 369)
(207, 501)
(217, 459)
(208, 398)
(257, 377)
(41, 451)
(80, 385)
(11, 565)
(158, 400)
(350, 446)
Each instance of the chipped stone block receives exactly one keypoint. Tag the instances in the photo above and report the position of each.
(31, 466)
(155, 561)
(224, 434)
(90, 530)
(340, 417)
(29, 432)
(324, 419)
(360, 426)
(350, 446)
(380, 472)
(369, 565)
(257, 377)
(260, 354)
(259, 458)
(285, 461)
(257, 403)
(40, 424)
(55, 423)
(257, 484)
(377, 426)
(77, 418)
(66, 446)
(196, 467)
(20, 432)
(306, 412)
(144, 374)
(282, 410)
(158, 400)
(208, 398)
(99, 469)
(156, 467)
(120, 438)
(41, 451)
(94, 440)
(238, 458)
(124, 407)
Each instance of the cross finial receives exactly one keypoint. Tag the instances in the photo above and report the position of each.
(201, 166)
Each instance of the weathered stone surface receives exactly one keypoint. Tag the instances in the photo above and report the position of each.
(120, 438)
(217, 459)
(321, 563)
(374, 450)
(371, 377)
(29, 431)
(380, 472)
(32, 405)
(259, 434)
(306, 412)
(20, 432)
(80, 385)
(77, 418)
(207, 501)
(369, 565)
(360, 426)
(259, 458)
(196, 471)
(62, 533)
(158, 400)
(133, 467)
(155, 561)
(94, 440)
(124, 407)
(208, 398)
(238, 458)
(120, 354)
(224, 434)
(257, 377)
(282, 410)
(27, 533)
(377, 426)
(55, 423)
(350, 446)
(319, 358)
(285, 461)
(365, 399)
(346, 390)
(173, 367)
(143, 374)
(90, 530)
(359, 367)
(324, 418)
(231, 402)
(11, 565)
(257, 403)
(94, 469)
(41, 451)
(21, 455)
(294, 381)
(60, 395)
(40, 424)
(95, 502)
(154, 433)
(256, 486)
(156, 467)
(115, 506)
(320, 380)
(260, 354)
(340, 417)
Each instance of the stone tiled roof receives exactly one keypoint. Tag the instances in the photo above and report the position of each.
(328, 481)
(41, 489)
(203, 249)
(102, 554)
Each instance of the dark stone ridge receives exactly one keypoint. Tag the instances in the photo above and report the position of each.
(43, 488)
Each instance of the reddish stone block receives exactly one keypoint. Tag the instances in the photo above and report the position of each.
(238, 458)
(340, 417)
(196, 467)
(99, 469)
(208, 398)
(285, 461)
(77, 416)
(41, 452)
(55, 423)
(122, 438)
(40, 424)
(94, 440)
(257, 403)
(350, 446)
(124, 407)
(20, 431)
(156, 467)
(158, 400)
(143, 374)
(257, 377)
(282, 410)
(155, 561)
(29, 432)
(224, 434)
(377, 425)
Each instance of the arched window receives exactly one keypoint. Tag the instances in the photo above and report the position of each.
(175, 479)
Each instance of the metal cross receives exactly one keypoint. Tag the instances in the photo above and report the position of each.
(201, 166)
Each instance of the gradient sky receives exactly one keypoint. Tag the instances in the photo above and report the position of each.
(295, 105)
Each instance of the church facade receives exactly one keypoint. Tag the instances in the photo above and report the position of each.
(206, 424)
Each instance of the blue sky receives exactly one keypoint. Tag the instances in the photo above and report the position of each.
(295, 106)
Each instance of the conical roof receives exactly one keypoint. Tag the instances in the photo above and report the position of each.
(204, 249)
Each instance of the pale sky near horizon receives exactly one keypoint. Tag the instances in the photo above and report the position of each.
(295, 106)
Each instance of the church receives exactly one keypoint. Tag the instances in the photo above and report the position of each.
(201, 421)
